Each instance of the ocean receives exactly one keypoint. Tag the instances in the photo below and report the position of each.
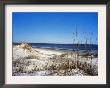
(70, 47)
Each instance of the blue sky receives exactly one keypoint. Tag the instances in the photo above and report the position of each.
(55, 27)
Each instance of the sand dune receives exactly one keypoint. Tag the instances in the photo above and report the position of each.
(28, 61)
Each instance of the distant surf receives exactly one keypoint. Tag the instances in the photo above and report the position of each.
(69, 47)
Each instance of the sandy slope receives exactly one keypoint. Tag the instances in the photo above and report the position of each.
(45, 62)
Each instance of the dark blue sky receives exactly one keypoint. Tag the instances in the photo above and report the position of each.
(54, 27)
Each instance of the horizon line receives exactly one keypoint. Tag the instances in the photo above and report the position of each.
(55, 43)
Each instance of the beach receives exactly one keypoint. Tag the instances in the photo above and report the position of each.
(29, 61)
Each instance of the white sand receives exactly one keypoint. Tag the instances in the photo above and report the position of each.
(36, 61)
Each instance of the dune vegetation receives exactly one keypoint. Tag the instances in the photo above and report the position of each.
(28, 61)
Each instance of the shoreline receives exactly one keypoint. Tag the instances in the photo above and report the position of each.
(63, 47)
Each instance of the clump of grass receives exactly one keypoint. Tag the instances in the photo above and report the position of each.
(31, 57)
(26, 47)
(88, 68)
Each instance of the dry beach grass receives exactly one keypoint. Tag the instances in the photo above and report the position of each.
(28, 61)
